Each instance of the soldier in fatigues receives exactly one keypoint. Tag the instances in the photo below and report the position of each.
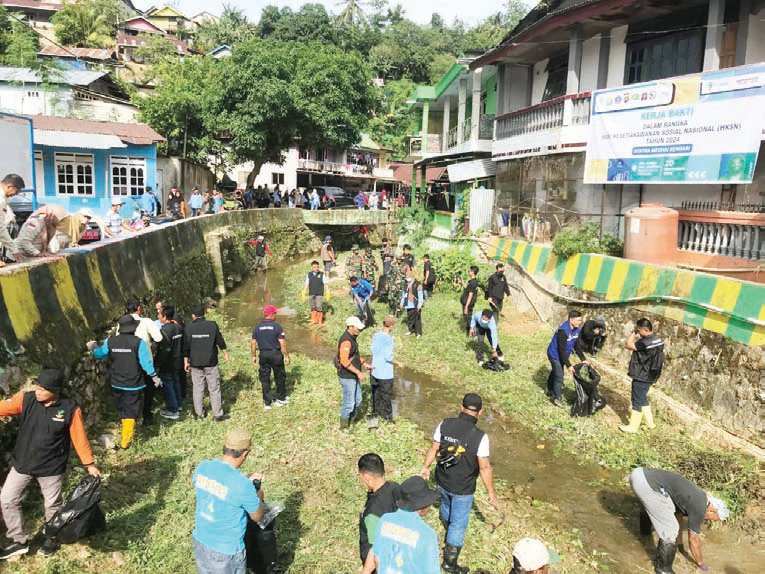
(354, 263)
(370, 268)
(395, 281)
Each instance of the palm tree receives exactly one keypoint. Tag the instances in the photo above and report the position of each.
(351, 15)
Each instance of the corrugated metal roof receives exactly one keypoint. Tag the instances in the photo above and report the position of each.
(46, 6)
(139, 134)
(71, 77)
(82, 140)
(469, 170)
(87, 53)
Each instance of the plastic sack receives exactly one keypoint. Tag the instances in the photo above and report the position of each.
(79, 515)
(588, 398)
(260, 546)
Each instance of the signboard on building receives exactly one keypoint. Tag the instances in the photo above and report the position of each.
(702, 128)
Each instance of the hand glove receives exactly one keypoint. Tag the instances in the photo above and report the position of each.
(703, 567)
(92, 345)
(326, 295)
(303, 296)
(157, 381)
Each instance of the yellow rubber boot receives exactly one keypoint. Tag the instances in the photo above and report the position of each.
(634, 422)
(128, 427)
(648, 416)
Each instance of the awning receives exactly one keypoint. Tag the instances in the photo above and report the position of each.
(469, 170)
(80, 140)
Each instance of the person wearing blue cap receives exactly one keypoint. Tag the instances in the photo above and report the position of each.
(662, 495)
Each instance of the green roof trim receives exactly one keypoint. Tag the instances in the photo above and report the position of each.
(448, 78)
(367, 143)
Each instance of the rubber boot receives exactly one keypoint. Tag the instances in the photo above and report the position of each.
(648, 416)
(128, 427)
(665, 556)
(314, 318)
(451, 555)
(345, 424)
(320, 318)
(634, 422)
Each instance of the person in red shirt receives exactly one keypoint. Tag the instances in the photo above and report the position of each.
(49, 423)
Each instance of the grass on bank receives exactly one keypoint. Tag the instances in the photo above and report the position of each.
(309, 465)
(445, 353)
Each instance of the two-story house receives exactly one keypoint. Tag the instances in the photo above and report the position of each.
(453, 131)
(547, 68)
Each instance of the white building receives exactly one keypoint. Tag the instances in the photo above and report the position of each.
(79, 94)
(560, 52)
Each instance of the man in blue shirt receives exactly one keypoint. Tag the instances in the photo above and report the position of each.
(225, 498)
(149, 202)
(412, 300)
(382, 369)
(484, 324)
(268, 337)
(403, 541)
(558, 352)
(362, 292)
(195, 202)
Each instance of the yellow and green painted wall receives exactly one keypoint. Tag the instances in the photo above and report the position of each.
(722, 305)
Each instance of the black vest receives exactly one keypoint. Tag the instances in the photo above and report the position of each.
(260, 249)
(457, 460)
(316, 283)
(342, 372)
(42, 446)
(645, 366)
(126, 366)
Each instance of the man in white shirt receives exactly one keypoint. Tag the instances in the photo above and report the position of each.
(113, 219)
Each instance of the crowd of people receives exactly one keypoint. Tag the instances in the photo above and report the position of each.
(148, 354)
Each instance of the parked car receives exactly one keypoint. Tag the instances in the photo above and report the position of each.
(343, 200)
(22, 207)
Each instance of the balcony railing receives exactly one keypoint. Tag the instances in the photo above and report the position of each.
(730, 234)
(545, 116)
(321, 166)
(485, 131)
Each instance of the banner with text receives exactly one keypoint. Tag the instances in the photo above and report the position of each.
(704, 128)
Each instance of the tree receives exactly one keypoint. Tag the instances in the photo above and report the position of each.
(311, 23)
(88, 23)
(232, 28)
(351, 15)
(156, 49)
(22, 47)
(392, 123)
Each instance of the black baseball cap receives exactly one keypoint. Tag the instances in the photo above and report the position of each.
(51, 380)
(472, 401)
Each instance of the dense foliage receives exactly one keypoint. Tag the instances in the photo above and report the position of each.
(18, 44)
(88, 23)
(586, 239)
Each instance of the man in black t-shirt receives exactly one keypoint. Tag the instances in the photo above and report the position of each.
(644, 370)
(268, 337)
(428, 277)
(382, 496)
(662, 495)
(201, 341)
(469, 296)
(496, 289)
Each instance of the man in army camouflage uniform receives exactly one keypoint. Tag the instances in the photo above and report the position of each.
(395, 283)
(354, 263)
(370, 268)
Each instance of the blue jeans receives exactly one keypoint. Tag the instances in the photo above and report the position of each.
(211, 562)
(455, 510)
(555, 379)
(171, 383)
(351, 397)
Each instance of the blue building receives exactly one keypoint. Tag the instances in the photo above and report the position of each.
(85, 163)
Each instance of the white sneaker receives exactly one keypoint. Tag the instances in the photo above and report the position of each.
(266, 407)
(280, 403)
(501, 358)
(480, 363)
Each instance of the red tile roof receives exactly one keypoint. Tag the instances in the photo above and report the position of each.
(139, 134)
(87, 53)
(403, 172)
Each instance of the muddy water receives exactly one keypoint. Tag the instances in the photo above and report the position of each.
(586, 497)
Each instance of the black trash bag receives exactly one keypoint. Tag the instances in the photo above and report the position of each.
(588, 398)
(79, 515)
(260, 546)
(495, 365)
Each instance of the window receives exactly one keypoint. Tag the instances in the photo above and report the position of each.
(128, 175)
(33, 94)
(321, 154)
(74, 174)
(277, 179)
(664, 57)
(557, 78)
(303, 152)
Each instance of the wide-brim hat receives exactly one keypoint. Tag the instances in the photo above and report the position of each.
(416, 494)
(127, 324)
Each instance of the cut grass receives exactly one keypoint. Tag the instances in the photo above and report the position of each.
(308, 464)
(445, 354)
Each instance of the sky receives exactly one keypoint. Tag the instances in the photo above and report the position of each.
(419, 11)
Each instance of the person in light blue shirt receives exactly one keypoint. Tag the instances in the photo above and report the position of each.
(403, 542)
(382, 370)
(149, 202)
(412, 300)
(484, 324)
(225, 499)
(195, 202)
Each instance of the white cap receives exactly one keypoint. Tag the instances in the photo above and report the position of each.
(117, 201)
(354, 322)
(531, 554)
(85, 212)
